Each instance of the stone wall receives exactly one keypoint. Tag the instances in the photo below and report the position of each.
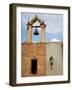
(54, 49)
(33, 51)
(42, 52)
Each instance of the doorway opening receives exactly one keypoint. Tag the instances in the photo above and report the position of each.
(34, 66)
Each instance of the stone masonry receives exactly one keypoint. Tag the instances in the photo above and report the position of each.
(33, 51)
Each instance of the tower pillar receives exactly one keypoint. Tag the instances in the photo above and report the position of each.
(42, 32)
(29, 33)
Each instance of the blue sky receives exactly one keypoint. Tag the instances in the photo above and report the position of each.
(54, 26)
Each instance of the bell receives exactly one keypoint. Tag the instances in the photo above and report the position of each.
(36, 32)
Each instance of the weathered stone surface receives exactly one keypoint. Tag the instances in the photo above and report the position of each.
(33, 51)
(42, 52)
(54, 49)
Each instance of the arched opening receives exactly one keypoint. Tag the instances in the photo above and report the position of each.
(36, 32)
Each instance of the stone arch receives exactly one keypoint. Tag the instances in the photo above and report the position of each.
(30, 26)
(36, 18)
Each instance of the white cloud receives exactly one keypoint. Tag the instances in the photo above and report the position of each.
(55, 40)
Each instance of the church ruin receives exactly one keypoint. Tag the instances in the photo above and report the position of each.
(35, 56)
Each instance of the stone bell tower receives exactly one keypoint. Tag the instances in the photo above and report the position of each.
(34, 54)
(29, 29)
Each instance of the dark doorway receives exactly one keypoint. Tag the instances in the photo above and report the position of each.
(34, 66)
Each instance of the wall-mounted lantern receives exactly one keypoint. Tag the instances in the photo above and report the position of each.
(51, 61)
